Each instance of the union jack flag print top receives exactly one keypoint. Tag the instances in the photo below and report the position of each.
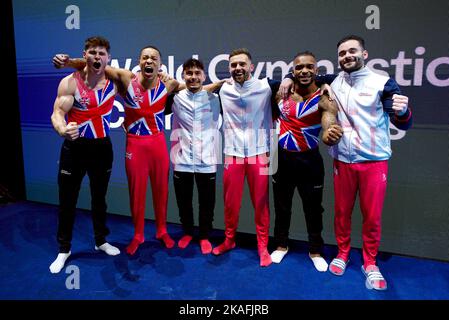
(144, 109)
(300, 123)
(92, 109)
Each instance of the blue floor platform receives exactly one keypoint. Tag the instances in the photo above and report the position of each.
(28, 246)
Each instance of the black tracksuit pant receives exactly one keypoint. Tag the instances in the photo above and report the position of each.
(303, 171)
(205, 182)
(78, 157)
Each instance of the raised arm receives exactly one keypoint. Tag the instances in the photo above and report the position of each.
(63, 104)
(121, 77)
(332, 131)
(63, 60)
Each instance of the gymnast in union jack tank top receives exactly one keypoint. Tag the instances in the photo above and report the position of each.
(146, 155)
(146, 150)
(86, 98)
(144, 109)
(300, 123)
(300, 165)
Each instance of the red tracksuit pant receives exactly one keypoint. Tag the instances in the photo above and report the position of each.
(235, 170)
(370, 180)
(147, 156)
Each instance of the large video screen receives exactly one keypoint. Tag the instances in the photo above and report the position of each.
(406, 39)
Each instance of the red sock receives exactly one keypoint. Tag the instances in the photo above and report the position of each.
(206, 247)
(168, 241)
(134, 245)
(224, 247)
(184, 241)
(265, 258)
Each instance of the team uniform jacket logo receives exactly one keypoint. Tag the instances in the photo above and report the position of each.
(138, 98)
(84, 101)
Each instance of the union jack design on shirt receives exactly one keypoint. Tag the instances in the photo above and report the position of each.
(92, 109)
(300, 123)
(144, 109)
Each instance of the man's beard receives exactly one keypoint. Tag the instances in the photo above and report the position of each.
(244, 76)
(358, 63)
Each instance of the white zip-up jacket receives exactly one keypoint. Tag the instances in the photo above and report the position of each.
(364, 101)
(196, 143)
(247, 117)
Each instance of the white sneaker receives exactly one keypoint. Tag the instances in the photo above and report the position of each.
(319, 263)
(278, 255)
(110, 250)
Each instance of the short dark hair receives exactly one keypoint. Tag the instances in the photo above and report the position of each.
(352, 37)
(240, 51)
(151, 47)
(96, 41)
(192, 63)
(304, 53)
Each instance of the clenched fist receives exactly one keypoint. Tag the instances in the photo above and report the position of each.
(71, 131)
(332, 135)
(400, 104)
(60, 60)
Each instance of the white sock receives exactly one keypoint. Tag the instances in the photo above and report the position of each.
(278, 255)
(58, 264)
(110, 250)
(319, 263)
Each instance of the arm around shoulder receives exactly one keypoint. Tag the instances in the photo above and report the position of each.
(216, 86)
(119, 76)
(173, 85)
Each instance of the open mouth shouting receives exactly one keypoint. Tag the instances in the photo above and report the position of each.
(97, 65)
(148, 70)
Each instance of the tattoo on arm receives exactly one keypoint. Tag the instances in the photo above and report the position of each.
(328, 112)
